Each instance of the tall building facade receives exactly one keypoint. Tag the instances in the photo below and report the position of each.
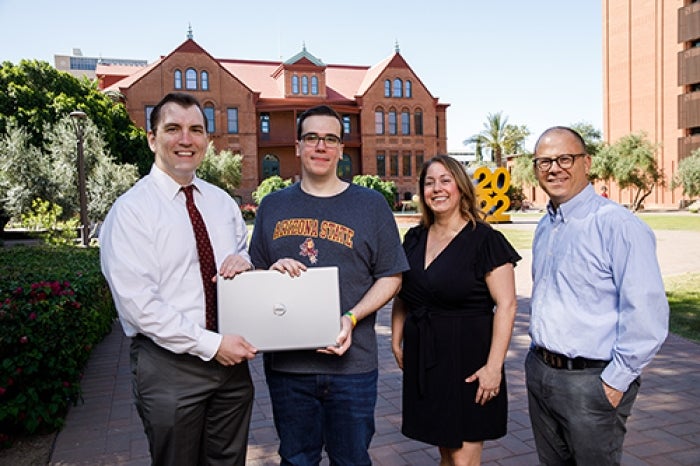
(392, 122)
(651, 82)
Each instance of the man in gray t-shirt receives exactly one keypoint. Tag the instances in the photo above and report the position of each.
(328, 396)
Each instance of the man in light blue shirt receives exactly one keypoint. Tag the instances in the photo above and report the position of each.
(599, 311)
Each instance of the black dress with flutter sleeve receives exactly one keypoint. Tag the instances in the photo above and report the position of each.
(447, 337)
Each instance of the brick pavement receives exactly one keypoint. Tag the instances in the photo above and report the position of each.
(664, 428)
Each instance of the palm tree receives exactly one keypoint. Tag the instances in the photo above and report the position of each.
(496, 135)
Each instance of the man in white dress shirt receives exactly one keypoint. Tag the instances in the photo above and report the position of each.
(192, 386)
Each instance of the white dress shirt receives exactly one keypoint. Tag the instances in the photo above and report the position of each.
(149, 257)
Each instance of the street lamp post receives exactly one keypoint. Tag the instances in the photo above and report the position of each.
(79, 125)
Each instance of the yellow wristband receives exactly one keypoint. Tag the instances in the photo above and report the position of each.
(352, 318)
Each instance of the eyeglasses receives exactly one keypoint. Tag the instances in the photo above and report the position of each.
(312, 139)
(564, 161)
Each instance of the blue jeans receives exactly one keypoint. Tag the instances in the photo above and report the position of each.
(572, 420)
(311, 410)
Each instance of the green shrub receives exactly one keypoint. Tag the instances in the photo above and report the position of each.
(248, 211)
(43, 221)
(385, 188)
(54, 307)
(270, 185)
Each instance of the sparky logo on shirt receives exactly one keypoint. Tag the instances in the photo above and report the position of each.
(308, 249)
(310, 228)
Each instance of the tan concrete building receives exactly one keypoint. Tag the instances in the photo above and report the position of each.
(651, 82)
(392, 122)
(79, 65)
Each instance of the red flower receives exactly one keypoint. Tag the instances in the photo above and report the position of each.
(66, 384)
(2, 391)
(23, 339)
(32, 316)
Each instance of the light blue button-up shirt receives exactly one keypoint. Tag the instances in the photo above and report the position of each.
(597, 289)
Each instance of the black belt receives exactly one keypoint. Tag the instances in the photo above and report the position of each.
(559, 361)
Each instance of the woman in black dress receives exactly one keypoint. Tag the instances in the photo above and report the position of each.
(453, 319)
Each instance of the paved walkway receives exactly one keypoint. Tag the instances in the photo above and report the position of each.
(664, 428)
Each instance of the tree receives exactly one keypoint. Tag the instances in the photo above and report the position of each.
(222, 169)
(270, 185)
(631, 162)
(24, 172)
(500, 137)
(522, 172)
(51, 174)
(688, 175)
(385, 188)
(34, 94)
(591, 136)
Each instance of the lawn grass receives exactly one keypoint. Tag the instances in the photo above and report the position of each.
(671, 222)
(683, 292)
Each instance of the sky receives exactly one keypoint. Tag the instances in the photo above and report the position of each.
(539, 62)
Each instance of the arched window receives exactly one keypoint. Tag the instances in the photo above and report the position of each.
(209, 113)
(204, 80)
(405, 122)
(418, 122)
(191, 79)
(295, 84)
(270, 166)
(398, 88)
(178, 79)
(379, 121)
(392, 121)
(387, 88)
(345, 168)
(314, 85)
(305, 85)
(408, 91)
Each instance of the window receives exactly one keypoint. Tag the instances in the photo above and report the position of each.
(265, 123)
(418, 122)
(346, 124)
(295, 84)
(304, 85)
(392, 121)
(381, 164)
(398, 88)
(190, 79)
(407, 163)
(408, 91)
(314, 85)
(379, 122)
(393, 163)
(345, 168)
(405, 122)
(204, 80)
(419, 160)
(178, 79)
(232, 120)
(387, 88)
(149, 110)
(270, 166)
(209, 113)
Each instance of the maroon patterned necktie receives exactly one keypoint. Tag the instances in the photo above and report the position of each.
(207, 265)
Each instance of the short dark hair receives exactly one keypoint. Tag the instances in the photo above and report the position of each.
(179, 98)
(556, 129)
(322, 110)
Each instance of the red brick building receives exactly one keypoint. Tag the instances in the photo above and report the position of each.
(392, 121)
(651, 82)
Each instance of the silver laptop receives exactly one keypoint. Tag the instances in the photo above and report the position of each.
(276, 312)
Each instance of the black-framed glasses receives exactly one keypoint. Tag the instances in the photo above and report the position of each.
(330, 140)
(564, 161)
